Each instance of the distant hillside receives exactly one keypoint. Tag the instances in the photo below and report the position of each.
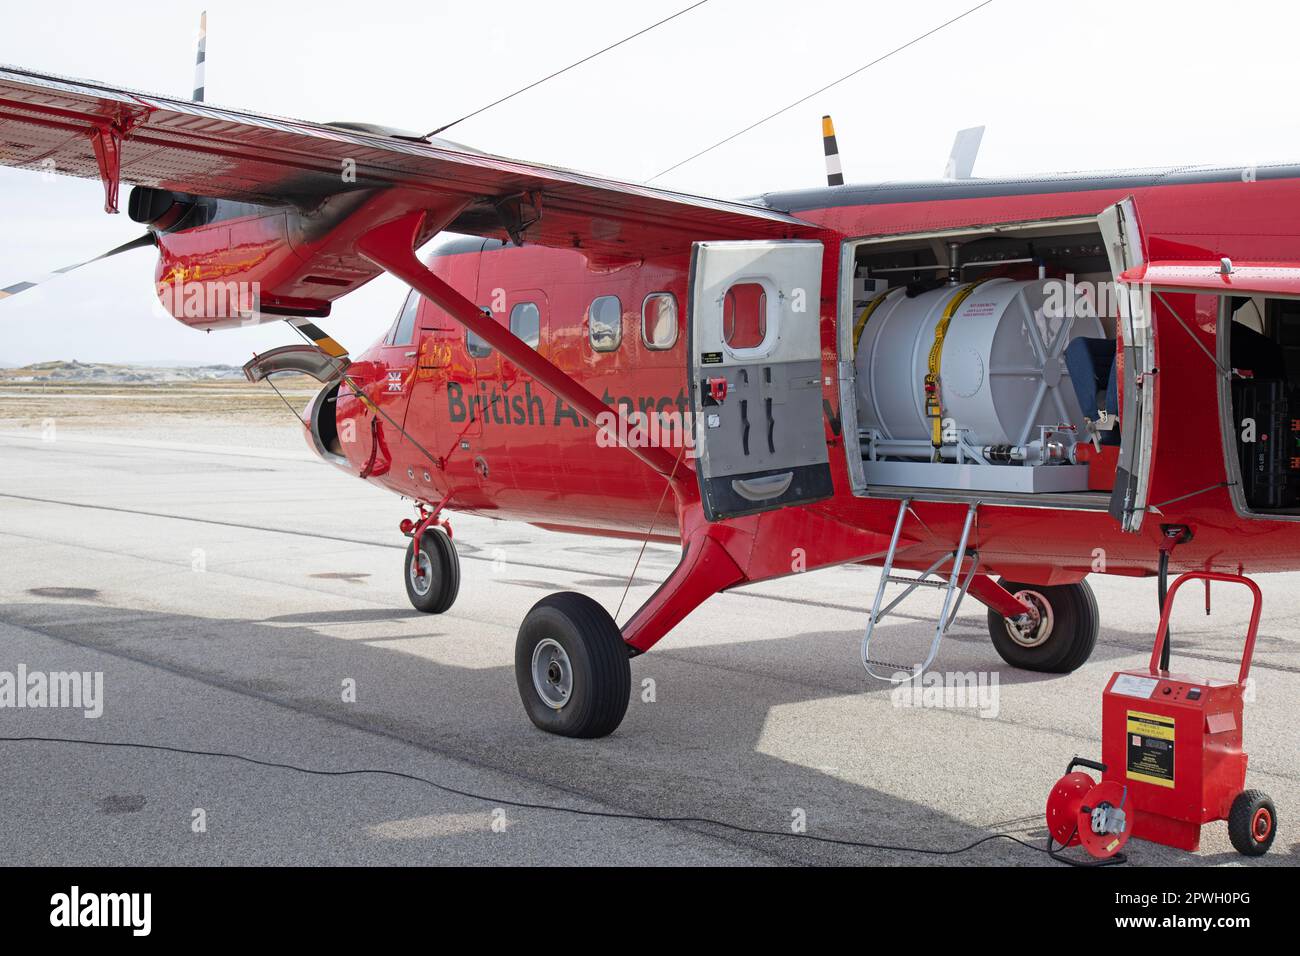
(101, 373)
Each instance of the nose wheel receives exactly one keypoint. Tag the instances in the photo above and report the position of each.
(432, 574)
(571, 666)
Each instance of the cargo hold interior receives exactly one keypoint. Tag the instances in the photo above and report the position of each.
(981, 364)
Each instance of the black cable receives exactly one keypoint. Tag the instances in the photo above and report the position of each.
(805, 99)
(1055, 853)
(552, 76)
(522, 805)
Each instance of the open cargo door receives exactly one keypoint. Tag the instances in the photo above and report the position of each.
(756, 375)
(1122, 235)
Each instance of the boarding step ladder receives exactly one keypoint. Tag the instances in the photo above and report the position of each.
(954, 586)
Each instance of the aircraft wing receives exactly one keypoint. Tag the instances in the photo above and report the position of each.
(73, 127)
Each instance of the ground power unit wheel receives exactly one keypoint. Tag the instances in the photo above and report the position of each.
(1061, 633)
(571, 666)
(435, 590)
(1252, 823)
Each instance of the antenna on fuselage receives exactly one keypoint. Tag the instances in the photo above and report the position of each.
(834, 172)
(200, 57)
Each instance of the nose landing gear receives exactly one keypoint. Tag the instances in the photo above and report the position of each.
(432, 565)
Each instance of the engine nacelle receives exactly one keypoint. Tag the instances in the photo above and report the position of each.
(225, 264)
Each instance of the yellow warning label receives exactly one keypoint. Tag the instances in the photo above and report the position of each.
(1150, 748)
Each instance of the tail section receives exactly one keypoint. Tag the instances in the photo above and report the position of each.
(965, 147)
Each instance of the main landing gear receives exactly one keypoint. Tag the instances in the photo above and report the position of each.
(571, 659)
(1057, 636)
(571, 665)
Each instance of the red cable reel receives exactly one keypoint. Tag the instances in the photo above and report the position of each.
(1082, 812)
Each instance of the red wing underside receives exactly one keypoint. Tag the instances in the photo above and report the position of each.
(72, 127)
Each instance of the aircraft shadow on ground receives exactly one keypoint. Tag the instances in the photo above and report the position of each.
(694, 753)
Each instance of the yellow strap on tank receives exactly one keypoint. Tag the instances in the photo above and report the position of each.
(933, 403)
(860, 326)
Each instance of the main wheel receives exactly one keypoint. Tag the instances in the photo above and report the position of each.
(1057, 637)
(1252, 823)
(571, 665)
(434, 590)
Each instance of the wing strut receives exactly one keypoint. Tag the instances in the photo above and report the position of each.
(391, 246)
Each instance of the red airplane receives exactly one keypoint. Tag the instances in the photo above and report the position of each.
(1004, 385)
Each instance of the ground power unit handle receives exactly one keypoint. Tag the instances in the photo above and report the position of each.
(1081, 762)
(1163, 631)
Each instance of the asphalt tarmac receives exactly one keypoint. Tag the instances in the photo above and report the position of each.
(248, 601)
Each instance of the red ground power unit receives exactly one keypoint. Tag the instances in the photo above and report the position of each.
(1174, 743)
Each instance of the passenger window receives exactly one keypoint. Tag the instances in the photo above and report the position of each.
(405, 328)
(476, 347)
(526, 322)
(605, 323)
(659, 321)
(744, 316)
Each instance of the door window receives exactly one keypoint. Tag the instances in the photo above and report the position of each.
(744, 316)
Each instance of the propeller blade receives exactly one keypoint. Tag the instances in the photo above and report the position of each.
(318, 337)
(834, 173)
(200, 59)
(138, 243)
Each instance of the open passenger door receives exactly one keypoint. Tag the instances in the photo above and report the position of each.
(756, 375)
(1122, 235)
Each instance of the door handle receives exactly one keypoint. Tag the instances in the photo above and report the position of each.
(715, 391)
(762, 489)
(411, 354)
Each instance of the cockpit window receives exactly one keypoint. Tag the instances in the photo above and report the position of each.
(404, 331)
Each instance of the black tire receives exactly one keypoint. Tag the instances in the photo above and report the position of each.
(1252, 823)
(1070, 639)
(442, 573)
(594, 660)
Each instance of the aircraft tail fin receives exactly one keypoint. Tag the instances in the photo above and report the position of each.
(965, 147)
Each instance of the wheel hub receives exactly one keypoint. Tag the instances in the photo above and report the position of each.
(1262, 825)
(1035, 627)
(421, 573)
(552, 673)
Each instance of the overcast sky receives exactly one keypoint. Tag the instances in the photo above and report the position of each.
(1103, 84)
